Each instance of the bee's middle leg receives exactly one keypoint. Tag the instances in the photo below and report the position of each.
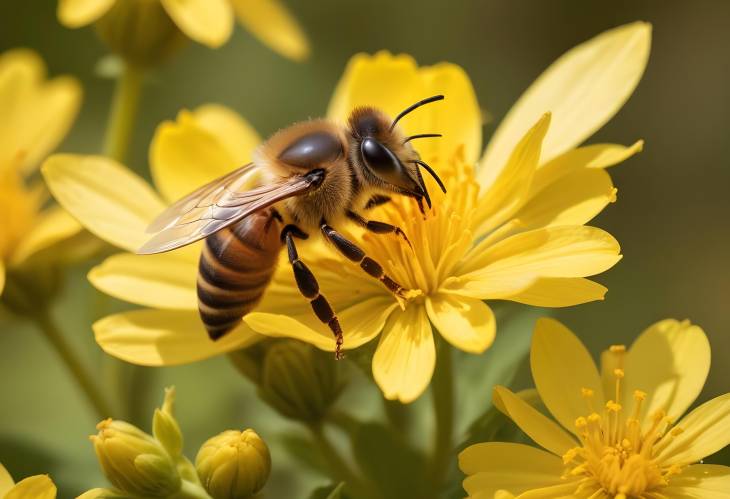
(308, 286)
(352, 252)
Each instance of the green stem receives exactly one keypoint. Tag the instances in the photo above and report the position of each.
(82, 376)
(398, 415)
(443, 403)
(190, 490)
(337, 464)
(123, 113)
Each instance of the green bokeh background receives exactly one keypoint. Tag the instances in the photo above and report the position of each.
(671, 216)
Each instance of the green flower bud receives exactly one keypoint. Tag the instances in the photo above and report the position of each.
(233, 464)
(141, 32)
(165, 427)
(299, 381)
(133, 461)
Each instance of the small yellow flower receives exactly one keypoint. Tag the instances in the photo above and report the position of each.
(36, 115)
(210, 22)
(35, 487)
(625, 435)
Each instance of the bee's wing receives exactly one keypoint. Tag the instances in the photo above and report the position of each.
(217, 205)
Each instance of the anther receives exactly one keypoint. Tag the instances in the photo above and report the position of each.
(586, 392)
(639, 395)
(676, 431)
(617, 348)
(619, 373)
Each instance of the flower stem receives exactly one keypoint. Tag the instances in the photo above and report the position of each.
(337, 464)
(72, 362)
(123, 113)
(443, 404)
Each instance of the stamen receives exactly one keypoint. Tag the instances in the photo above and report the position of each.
(587, 394)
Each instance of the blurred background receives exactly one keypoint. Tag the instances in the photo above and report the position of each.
(671, 216)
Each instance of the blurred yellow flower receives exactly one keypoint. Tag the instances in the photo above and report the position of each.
(210, 22)
(516, 234)
(36, 115)
(35, 487)
(625, 438)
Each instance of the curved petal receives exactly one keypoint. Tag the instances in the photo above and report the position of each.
(466, 323)
(562, 367)
(2, 277)
(109, 200)
(77, 13)
(705, 481)
(54, 225)
(6, 481)
(669, 361)
(543, 430)
(209, 22)
(37, 487)
(495, 466)
(704, 431)
(584, 89)
(151, 337)
(159, 281)
(274, 26)
(406, 355)
(231, 130)
(560, 292)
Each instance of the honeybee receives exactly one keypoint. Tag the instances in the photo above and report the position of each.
(313, 175)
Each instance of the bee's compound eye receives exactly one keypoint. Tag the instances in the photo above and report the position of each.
(379, 158)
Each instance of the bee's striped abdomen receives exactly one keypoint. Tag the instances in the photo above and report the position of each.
(236, 265)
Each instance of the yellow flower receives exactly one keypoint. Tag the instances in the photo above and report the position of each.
(36, 487)
(210, 22)
(625, 438)
(36, 115)
(519, 236)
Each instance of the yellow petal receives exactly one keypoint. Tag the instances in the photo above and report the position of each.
(406, 355)
(466, 323)
(2, 277)
(77, 13)
(109, 200)
(494, 466)
(231, 130)
(54, 225)
(560, 292)
(669, 361)
(510, 189)
(584, 89)
(274, 26)
(705, 431)
(511, 265)
(543, 430)
(561, 367)
(209, 22)
(36, 487)
(185, 156)
(706, 481)
(159, 281)
(93, 494)
(6, 481)
(151, 337)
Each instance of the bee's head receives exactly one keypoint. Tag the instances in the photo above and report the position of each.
(387, 155)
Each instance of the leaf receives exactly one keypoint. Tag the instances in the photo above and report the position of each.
(334, 491)
(303, 449)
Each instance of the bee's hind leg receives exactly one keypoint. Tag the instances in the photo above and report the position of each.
(378, 227)
(309, 287)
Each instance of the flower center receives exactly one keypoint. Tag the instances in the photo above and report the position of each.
(617, 456)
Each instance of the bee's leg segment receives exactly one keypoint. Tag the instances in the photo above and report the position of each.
(377, 227)
(377, 200)
(352, 252)
(309, 287)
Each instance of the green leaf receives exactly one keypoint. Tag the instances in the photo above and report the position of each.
(334, 491)
(304, 450)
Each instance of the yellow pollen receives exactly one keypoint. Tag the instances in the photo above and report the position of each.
(619, 373)
(676, 431)
(639, 395)
(617, 348)
(581, 423)
(586, 392)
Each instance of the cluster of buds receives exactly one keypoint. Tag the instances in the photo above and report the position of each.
(232, 465)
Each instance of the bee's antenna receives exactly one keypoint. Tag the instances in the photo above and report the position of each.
(422, 136)
(415, 106)
(432, 172)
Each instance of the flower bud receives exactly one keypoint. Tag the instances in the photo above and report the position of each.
(140, 31)
(133, 461)
(299, 381)
(165, 427)
(233, 464)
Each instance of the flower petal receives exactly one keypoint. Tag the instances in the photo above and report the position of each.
(159, 281)
(466, 323)
(704, 431)
(37, 487)
(6, 481)
(495, 466)
(151, 337)
(77, 13)
(274, 26)
(234, 132)
(562, 367)
(209, 22)
(2, 277)
(669, 361)
(54, 225)
(543, 430)
(109, 200)
(406, 355)
(584, 89)
(560, 292)
(705, 481)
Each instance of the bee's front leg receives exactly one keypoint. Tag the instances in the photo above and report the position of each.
(377, 227)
